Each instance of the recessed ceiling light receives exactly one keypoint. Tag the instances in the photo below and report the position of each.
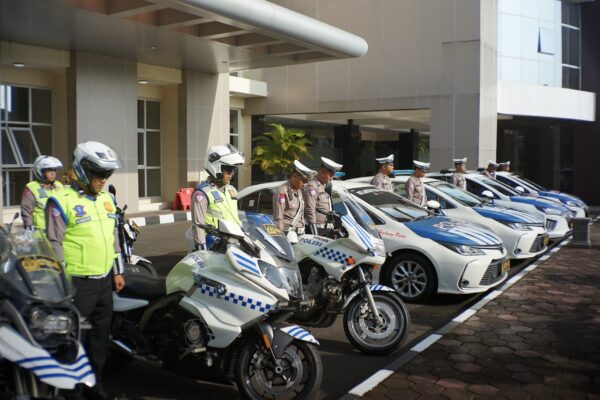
(19, 65)
(143, 82)
(152, 47)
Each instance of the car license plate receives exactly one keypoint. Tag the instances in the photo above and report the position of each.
(505, 266)
(546, 240)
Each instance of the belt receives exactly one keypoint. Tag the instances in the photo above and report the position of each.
(325, 226)
(299, 231)
(92, 276)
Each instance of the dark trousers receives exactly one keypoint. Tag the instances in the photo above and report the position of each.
(93, 299)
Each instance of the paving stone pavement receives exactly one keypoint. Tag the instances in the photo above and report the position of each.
(538, 340)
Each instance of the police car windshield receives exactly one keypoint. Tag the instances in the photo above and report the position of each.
(498, 186)
(532, 184)
(462, 196)
(393, 205)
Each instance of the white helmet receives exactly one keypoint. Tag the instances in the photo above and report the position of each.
(95, 157)
(218, 156)
(44, 162)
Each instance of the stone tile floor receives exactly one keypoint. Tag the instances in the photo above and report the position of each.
(538, 340)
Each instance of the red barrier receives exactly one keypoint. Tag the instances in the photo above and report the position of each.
(183, 199)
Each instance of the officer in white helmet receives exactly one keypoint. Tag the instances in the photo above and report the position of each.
(288, 201)
(458, 178)
(82, 228)
(415, 189)
(216, 198)
(37, 192)
(490, 171)
(316, 199)
(386, 168)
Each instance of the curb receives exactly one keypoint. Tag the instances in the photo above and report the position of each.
(422, 344)
(162, 219)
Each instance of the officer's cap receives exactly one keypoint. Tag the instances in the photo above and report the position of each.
(303, 170)
(492, 164)
(505, 164)
(386, 160)
(460, 161)
(330, 165)
(421, 165)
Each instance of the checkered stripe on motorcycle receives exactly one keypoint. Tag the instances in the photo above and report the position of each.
(236, 299)
(333, 255)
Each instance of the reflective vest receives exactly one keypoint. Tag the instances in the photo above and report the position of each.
(88, 245)
(41, 195)
(221, 204)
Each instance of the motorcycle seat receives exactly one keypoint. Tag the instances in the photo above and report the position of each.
(143, 286)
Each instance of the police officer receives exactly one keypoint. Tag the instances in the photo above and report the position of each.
(82, 228)
(504, 166)
(415, 190)
(37, 192)
(216, 198)
(386, 168)
(316, 199)
(490, 171)
(458, 178)
(288, 202)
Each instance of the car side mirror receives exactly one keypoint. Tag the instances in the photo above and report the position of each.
(520, 189)
(487, 194)
(433, 204)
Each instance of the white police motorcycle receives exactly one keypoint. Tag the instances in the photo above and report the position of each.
(219, 316)
(337, 275)
(40, 350)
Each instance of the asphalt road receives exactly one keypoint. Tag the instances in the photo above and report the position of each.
(344, 367)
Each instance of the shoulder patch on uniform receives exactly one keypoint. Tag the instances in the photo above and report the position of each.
(199, 195)
(282, 198)
(55, 212)
(312, 191)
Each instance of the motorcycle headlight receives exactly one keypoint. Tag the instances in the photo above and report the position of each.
(44, 323)
(517, 226)
(549, 211)
(464, 249)
(283, 278)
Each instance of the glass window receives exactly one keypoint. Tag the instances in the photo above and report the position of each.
(43, 138)
(8, 154)
(456, 193)
(265, 202)
(41, 106)
(250, 202)
(17, 100)
(149, 149)
(25, 145)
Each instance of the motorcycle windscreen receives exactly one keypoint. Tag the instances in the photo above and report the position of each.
(29, 265)
(344, 204)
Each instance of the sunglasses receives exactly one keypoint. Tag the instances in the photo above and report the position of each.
(102, 174)
(228, 168)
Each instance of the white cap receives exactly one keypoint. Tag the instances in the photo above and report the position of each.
(507, 163)
(421, 165)
(330, 164)
(386, 160)
(460, 160)
(303, 170)
(492, 164)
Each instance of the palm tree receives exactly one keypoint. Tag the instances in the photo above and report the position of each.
(276, 150)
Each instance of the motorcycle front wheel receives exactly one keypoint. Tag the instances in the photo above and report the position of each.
(370, 336)
(298, 375)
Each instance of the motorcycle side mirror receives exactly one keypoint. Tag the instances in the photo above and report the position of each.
(112, 190)
(292, 237)
(329, 188)
(125, 207)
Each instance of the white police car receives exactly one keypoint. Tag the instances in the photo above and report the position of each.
(557, 216)
(428, 253)
(523, 235)
(577, 206)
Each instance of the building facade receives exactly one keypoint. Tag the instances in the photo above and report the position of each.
(443, 79)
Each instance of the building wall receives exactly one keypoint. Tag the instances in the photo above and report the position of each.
(422, 54)
(522, 24)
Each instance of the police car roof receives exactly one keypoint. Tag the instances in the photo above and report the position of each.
(401, 178)
(272, 185)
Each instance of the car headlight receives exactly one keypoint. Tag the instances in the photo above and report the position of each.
(283, 278)
(550, 211)
(464, 249)
(517, 226)
(380, 249)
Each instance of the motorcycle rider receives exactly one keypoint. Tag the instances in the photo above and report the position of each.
(37, 192)
(216, 198)
(458, 178)
(386, 168)
(316, 199)
(415, 190)
(288, 202)
(81, 226)
(490, 171)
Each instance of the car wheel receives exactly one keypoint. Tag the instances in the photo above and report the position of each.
(412, 276)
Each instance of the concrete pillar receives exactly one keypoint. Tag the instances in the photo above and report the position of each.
(102, 105)
(203, 121)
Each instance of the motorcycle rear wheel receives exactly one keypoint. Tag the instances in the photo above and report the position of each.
(300, 378)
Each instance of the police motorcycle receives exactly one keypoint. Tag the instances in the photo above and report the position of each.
(128, 232)
(337, 278)
(219, 316)
(40, 350)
